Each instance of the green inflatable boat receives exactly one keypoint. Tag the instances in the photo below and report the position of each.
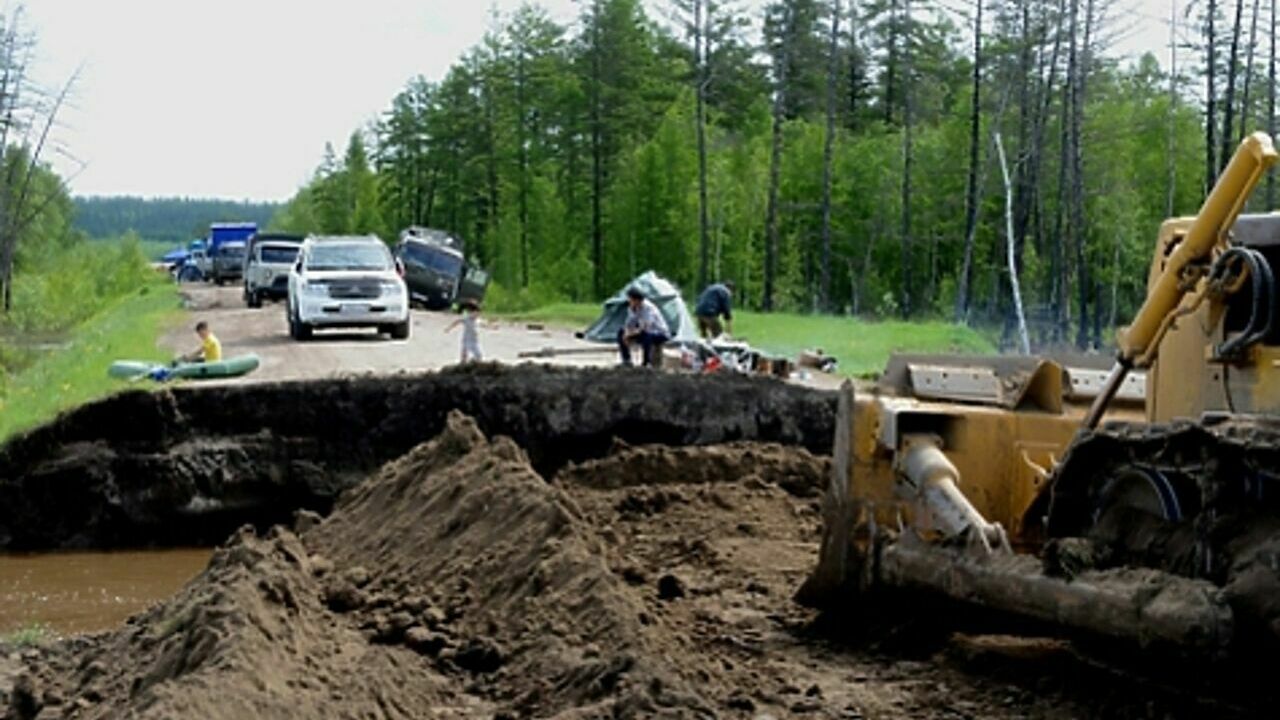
(231, 367)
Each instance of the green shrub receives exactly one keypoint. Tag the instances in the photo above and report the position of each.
(61, 290)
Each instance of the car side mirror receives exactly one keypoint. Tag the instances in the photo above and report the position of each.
(297, 266)
(399, 267)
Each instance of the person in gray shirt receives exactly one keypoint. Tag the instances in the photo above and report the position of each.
(715, 302)
(646, 327)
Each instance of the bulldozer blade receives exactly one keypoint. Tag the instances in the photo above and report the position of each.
(1151, 607)
(830, 578)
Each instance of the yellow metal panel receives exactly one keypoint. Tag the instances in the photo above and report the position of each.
(996, 451)
(1255, 155)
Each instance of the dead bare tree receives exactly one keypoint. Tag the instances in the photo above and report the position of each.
(27, 118)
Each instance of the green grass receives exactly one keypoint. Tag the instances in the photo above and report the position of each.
(27, 636)
(62, 379)
(862, 347)
(577, 315)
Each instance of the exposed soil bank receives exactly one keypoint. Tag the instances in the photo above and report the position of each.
(458, 583)
(188, 465)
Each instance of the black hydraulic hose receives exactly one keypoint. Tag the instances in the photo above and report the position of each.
(1267, 302)
(1263, 287)
(1221, 268)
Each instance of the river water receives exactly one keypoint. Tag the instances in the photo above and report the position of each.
(76, 592)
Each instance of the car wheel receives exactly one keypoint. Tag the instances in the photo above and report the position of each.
(400, 331)
(299, 329)
(254, 299)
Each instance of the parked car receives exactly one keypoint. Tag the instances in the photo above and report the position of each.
(347, 281)
(261, 237)
(436, 271)
(228, 262)
(266, 269)
(195, 267)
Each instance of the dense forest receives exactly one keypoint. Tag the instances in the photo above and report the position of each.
(880, 157)
(172, 220)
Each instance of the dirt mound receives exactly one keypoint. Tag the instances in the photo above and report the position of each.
(794, 469)
(250, 637)
(460, 548)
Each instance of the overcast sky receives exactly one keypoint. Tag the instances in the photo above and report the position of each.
(236, 98)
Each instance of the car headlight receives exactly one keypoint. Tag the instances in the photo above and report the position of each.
(392, 289)
(315, 290)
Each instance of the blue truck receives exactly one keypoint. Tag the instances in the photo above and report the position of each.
(220, 233)
(226, 249)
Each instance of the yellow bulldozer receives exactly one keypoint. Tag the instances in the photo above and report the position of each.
(1139, 501)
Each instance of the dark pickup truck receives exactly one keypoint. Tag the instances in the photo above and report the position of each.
(436, 271)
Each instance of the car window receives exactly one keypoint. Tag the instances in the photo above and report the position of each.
(231, 251)
(429, 257)
(363, 256)
(278, 255)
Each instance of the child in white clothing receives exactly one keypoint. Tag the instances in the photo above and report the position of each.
(470, 332)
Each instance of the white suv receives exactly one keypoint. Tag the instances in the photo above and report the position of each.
(347, 281)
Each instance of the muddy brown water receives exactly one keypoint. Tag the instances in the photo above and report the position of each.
(77, 592)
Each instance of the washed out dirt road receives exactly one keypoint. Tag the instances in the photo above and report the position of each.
(506, 563)
(458, 582)
(344, 352)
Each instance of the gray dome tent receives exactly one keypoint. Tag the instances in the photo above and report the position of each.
(661, 293)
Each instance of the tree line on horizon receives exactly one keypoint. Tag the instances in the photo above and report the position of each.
(987, 161)
(176, 220)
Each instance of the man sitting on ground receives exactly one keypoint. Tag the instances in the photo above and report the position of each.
(646, 326)
(714, 302)
(210, 349)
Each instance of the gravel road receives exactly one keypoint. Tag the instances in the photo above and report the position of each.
(343, 352)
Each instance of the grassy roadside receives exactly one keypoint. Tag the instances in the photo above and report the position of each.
(862, 347)
(574, 315)
(77, 373)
